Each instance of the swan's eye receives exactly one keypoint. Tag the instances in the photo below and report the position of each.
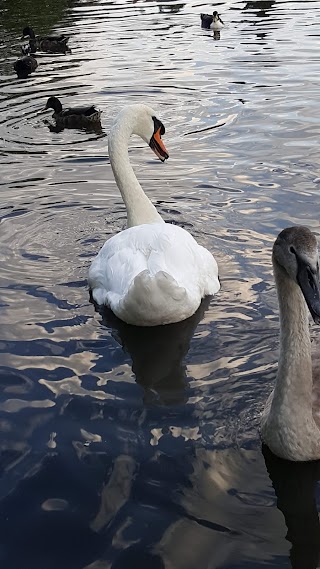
(158, 125)
(292, 250)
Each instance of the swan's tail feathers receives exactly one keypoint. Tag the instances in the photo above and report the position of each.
(155, 299)
(100, 296)
(156, 286)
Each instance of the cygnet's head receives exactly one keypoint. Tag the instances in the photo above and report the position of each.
(143, 122)
(296, 251)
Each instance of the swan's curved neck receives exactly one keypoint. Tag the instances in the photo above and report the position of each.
(139, 208)
(293, 390)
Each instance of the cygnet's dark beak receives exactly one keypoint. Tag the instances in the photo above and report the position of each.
(308, 280)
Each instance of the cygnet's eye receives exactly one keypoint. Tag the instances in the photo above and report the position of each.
(292, 250)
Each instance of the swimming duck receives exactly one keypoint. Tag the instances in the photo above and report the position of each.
(213, 22)
(152, 272)
(25, 66)
(290, 424)
(75, 117)
(53, 44)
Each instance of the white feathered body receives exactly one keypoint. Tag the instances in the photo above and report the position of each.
(153, 274)
(216, 26)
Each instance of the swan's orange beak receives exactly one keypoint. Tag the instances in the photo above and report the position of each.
(158, 147)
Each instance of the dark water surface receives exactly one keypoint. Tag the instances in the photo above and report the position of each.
(124, 448)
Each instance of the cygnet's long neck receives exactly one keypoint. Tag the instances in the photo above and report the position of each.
(140, 210)
(293, 390)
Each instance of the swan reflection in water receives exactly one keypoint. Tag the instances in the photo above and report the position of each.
(157, 353)
(295, 487)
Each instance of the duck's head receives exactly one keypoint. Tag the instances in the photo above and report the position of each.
(215, 16)
(142, 120)
(296, 251)
(27, 32)
(54, 103)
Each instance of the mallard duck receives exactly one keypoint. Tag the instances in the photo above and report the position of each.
(25, 66)
(53, 44)
(152, 272)
(290, 423)
(213, 22)
(75, 117)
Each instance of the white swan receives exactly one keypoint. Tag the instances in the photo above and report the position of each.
(153, 272)
(290, 422)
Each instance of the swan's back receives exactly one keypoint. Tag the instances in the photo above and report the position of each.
(153, 274)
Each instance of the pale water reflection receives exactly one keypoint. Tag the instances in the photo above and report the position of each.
(119, 448)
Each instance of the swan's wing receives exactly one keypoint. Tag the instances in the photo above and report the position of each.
(153, 268)
(177, 253)
(115, 267)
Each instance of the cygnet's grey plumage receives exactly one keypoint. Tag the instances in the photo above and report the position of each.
(290, 421)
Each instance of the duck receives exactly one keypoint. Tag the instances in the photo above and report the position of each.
(74, 117)
(213, 22)
(52, 44)
(290, 422)
(151, 273)
(24, 66)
